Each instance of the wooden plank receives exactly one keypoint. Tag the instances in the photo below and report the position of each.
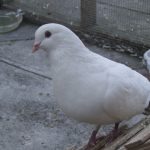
(130, 134)
(145, 146)
(143, 140)
(88, 13)
(137, 140)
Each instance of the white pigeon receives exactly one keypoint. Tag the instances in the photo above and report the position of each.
(89, 87)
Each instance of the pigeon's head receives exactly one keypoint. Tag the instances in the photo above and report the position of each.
(51, 36)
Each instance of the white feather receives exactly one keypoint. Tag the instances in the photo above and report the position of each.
(89, 87)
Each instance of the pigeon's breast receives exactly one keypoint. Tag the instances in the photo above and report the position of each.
(82, 97)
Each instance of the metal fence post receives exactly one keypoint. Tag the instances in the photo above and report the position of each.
(88, 13)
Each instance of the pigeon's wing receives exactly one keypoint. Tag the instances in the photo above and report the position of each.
(127, 93)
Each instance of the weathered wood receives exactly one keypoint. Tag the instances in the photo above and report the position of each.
(145, 146)
(88, 13)
(138, 139)
(141, 141)
(124, 138)
(100, 145)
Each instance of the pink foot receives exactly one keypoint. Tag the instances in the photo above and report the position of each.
(93, 140)
(114, 133)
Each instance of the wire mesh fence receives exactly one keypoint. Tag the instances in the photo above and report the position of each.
(129, 20)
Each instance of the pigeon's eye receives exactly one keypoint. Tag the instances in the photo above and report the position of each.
(47, 34)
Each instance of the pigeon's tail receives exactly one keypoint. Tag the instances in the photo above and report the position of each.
(147, 110)
(147, 107)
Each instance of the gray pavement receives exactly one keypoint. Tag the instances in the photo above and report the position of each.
(29, 117)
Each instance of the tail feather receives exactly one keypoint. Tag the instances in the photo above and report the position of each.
(147, 110)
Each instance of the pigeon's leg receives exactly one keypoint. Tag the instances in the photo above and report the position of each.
(115, 130)
(92, 140)
(114, 133)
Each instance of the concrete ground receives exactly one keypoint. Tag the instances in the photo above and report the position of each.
(29, 117)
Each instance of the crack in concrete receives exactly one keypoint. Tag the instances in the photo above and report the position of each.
(17, 40)
(23, 67)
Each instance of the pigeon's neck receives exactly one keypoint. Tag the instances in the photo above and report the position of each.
(64, 56)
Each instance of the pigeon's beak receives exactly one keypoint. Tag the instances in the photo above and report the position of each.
(36, 47)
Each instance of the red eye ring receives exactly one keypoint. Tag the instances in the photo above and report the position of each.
(47, 34)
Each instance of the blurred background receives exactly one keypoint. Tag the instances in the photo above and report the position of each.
(128, 20)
